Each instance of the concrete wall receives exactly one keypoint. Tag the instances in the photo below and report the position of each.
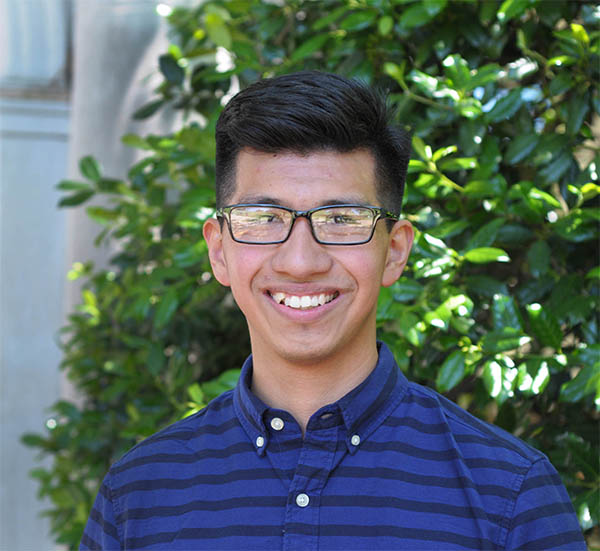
(45, 128)
(33, 157)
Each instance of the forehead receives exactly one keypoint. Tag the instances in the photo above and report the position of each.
(303, 181)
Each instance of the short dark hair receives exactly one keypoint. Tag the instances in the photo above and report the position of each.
(313, 111)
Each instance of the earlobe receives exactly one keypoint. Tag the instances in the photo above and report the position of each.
(214, 240)
(400, 242)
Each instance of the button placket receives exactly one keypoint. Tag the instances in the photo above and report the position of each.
(304, 498)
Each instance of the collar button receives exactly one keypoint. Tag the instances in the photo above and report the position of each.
(277, 423)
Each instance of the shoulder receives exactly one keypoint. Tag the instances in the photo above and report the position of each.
(473, 436)
(178, 442)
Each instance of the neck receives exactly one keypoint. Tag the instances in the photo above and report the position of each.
(303, 388)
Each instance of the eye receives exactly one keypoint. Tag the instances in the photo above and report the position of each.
(269, 217)
(341, 219)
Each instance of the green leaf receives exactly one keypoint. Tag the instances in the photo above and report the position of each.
(457, 71)
(133, 140)
(34, 440)
(594, 273)
(486, 235)
(90, 168)
(545, 326)
(385, 25)
(560, 84)
(156, 358)
(166, 308)
(102, 215)
(485, 286)
(424, 82)
(171, 69)
(585, 383)
(394, 71)
(359, 20)
(217, 30)
(405, 289)
(579, 225)
(508, 338)
(580, 33)
(511, 9)
(538, 258)
(483, 255)
(76, 198)
(464, 163)
(148, 109)
(419, 14)
(330, 18)
(424, 151)
(505, 313)
(494, 187)
(451, 372)
(577, 109)
(70, 185)
(195, 393)
(554, 170)
(309, 47)
(520, 148)
(484, 75)
(506, 107)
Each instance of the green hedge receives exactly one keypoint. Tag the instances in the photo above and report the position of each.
(498, 308)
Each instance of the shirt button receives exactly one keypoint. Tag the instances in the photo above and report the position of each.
(302, 500)
(260, 442)
(276, 423)
(355, 440)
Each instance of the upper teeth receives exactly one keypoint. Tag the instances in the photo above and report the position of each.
(304, 301)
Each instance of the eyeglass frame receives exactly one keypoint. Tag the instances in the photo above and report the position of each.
(379, 213)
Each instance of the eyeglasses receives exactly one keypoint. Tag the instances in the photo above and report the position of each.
(330, 225)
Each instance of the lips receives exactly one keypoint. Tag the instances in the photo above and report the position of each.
(303, 302)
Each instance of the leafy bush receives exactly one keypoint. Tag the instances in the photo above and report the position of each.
(498, 307)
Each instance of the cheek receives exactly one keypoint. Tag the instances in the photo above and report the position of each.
(243, 263)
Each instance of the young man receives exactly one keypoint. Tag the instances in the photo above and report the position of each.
(323, 444)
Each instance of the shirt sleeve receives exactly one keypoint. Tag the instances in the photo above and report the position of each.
(543, 516)
(101, 531)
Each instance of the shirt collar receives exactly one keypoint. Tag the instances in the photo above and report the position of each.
(363, 409)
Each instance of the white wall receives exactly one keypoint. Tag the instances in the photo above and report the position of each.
(115, 46)
(33, 157)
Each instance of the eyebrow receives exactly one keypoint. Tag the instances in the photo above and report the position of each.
(268, 200)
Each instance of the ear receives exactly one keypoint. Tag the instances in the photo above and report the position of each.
(400, 242)
(214, 240)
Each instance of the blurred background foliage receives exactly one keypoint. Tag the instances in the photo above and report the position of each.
(498, 308)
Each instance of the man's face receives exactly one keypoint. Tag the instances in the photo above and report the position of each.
(349, 277)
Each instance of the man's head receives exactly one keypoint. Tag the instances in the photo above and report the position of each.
(308, 112)
(306, 143)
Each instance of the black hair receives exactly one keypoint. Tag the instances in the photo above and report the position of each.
(312, 111)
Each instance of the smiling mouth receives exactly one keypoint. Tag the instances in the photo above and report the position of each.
(303, 302)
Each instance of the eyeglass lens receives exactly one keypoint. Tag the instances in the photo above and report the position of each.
(261, 224)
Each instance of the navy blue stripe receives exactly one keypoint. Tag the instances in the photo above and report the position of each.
(175, 458)
(245, 530)
(401, 532)
(540, 482)
(553, 542)
(381, 502)
(202, 505)
(185, 483)
(437, 428)
(107, 527)
(89, 543)
(541, 512)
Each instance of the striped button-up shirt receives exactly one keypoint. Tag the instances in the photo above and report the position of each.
(391, 465)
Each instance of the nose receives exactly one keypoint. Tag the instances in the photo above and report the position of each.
(301, 256)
